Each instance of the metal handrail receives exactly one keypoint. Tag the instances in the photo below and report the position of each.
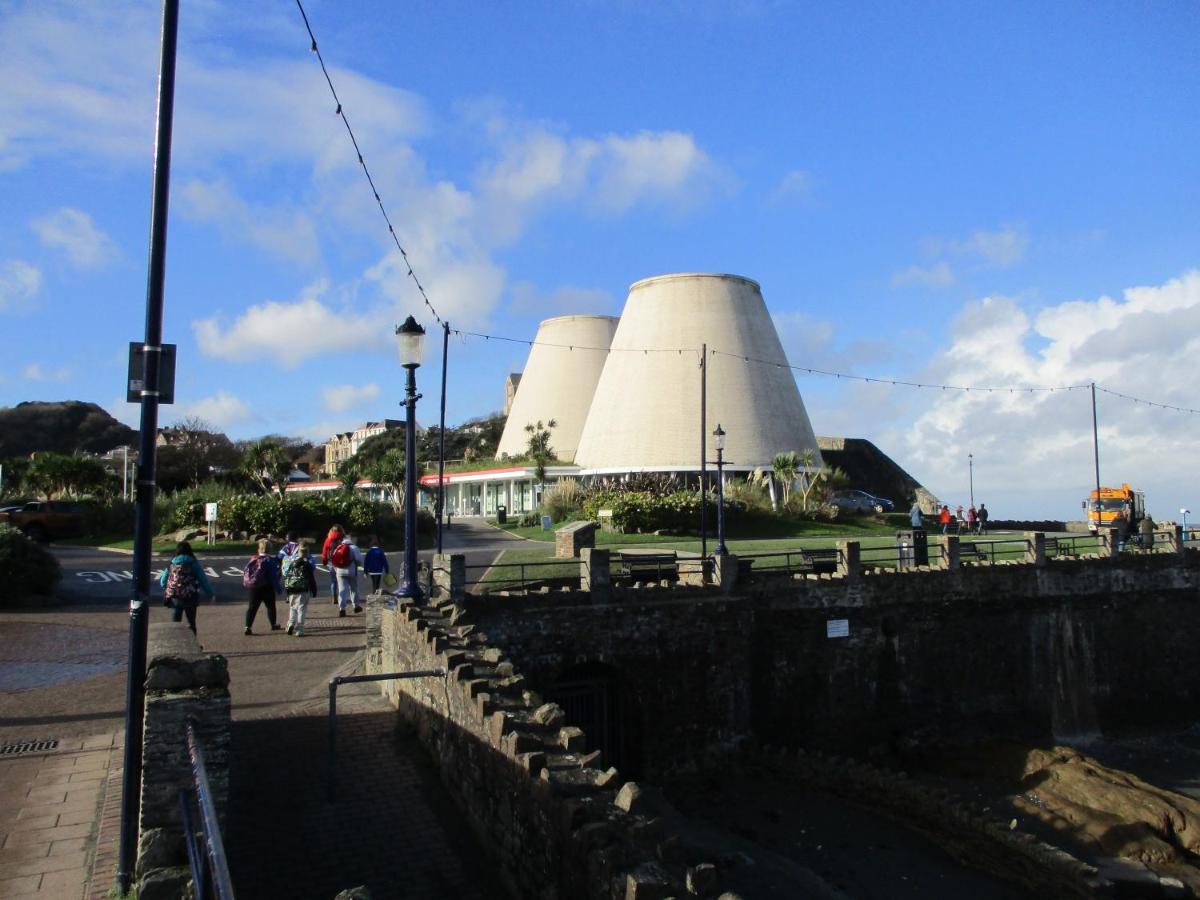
(521, 580)
(218, 864)
(338, 680)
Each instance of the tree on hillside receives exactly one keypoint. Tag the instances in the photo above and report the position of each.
(348, 474)
(269, 464)
(200, 449)
(538, 448)
(66, 427)
(59, 475)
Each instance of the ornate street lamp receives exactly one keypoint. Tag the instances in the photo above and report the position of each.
(719, 443)
(410, 340)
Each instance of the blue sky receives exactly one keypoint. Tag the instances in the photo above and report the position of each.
(977, 194)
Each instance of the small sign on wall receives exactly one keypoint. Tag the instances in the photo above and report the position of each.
(837, 628)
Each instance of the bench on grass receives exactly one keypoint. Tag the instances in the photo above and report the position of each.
(648, 566)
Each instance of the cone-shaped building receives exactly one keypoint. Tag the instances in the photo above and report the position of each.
(645, 414)
(559, 380)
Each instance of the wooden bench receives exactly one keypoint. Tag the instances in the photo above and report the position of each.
(969, 552)
(649, 566)
(820, 561)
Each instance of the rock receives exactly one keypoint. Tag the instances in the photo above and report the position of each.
(701, 879)
(355, 893)
(159, 849)
(549, 714)
(165, 884)
(629, 798)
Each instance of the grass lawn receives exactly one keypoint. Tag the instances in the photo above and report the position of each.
(164, 545)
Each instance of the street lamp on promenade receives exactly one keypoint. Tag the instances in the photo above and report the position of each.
(410, 340)
(719, 443)
(971, 475)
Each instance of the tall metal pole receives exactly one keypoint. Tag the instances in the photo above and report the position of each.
(1096, 457)
(441, 494)
(411, 587)
(971, 475)
(125, 472)
(720, 500)
(144, 507)
(703, 456)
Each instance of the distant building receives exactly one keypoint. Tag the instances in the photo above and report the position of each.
(171, 437)
(511, 383)
(340, 447)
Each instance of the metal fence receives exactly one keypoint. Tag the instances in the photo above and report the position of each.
(205, 849)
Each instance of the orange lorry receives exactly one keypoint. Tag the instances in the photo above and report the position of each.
(1121, 507)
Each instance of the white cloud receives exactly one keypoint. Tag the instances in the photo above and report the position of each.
(73, 232)
(796, 187)
(20, 284)
(937, 275)
(564, 300)
(289, 333)
(1001, 249)
(38, 372)
(1035, 449)
(286, 233)
(222, 410)
(341, 397)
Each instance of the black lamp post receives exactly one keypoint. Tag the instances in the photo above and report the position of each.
(971, 474)
(410, 339)
(719, 443)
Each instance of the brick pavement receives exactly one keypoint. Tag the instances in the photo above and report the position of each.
(51, 844)
(49, 814)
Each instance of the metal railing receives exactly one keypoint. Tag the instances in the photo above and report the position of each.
(522, 576)
(205, 849)
(800, 560)
(334, 684)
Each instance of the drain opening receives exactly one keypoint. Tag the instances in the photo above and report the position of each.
(28, 747)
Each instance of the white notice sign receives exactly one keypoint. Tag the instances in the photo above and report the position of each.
(835, 628)
(210, 512)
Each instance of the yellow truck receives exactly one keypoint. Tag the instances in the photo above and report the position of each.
(1110, 507)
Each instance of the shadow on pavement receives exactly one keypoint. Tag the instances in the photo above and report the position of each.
(391, 826)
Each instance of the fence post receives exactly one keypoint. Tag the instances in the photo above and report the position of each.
(950, 557)
(1035, 548)
(1175, 540)
(725, 569)
(1110, 542)
(595, 573)
(849, 563)
(450, 574)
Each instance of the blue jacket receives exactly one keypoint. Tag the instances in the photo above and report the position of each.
(201, 578)
(375, 562)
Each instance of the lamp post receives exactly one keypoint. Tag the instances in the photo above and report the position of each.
(719, 443)
(410, 339)
(971, 474)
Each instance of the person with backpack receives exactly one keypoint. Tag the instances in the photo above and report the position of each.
(346, 559)
(375, 564)
(183, 581)
(331, 541)
(288, 548)
(300, 582)
(261, 579)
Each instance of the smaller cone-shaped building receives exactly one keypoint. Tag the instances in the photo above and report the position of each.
(558, 382)
(645, 414)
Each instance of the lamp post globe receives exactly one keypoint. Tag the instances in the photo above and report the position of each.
(410, 340)
(719, 444)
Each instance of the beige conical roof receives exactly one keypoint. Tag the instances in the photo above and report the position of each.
(559, 379)
(646, 410)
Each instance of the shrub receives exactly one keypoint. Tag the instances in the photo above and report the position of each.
(112, 518)
(26, 567)
(563, 500)
(642, 511)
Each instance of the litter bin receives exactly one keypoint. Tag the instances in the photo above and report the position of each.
(502, 515)
(913, 547)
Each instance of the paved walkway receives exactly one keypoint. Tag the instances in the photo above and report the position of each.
(62, 676)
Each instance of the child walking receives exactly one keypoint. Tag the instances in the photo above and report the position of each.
(300, 582)
(260, 578)
(375, 564)
(184, 581)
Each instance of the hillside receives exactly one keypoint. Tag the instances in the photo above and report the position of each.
(64, 427)
(871, 470)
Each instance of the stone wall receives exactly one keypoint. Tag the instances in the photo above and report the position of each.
(558, 823)
(847, 665)
(182, 683)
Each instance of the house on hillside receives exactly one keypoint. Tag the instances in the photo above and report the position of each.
(340, 447)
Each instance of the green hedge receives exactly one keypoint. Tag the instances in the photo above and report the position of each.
(644, 511)
(26, 567)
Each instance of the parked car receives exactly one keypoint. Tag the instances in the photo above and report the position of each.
(861, 502)
(47, 520)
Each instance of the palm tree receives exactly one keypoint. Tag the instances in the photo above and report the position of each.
(268, 464)
(538, 449)
(784, 466)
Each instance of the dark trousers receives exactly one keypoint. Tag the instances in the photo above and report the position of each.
(375, 581)
(263, 595)
(179, 612)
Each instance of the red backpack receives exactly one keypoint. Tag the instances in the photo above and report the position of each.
(341, 556)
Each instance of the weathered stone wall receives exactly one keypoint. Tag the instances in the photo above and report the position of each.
(1070, 646)
(183, 683)
(557, 824)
